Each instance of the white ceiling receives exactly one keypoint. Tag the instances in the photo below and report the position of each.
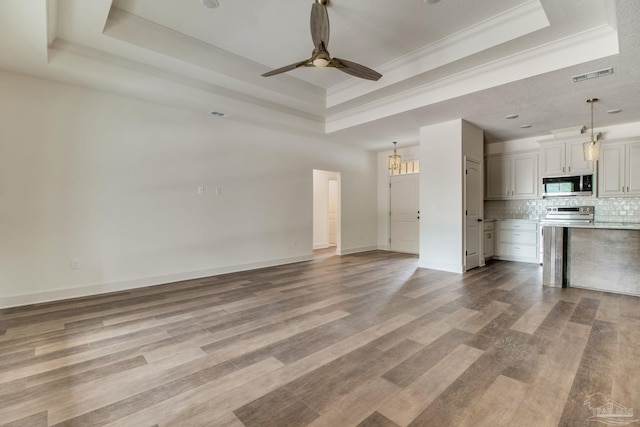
(477, 60)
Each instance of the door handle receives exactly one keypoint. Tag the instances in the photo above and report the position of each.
(479, 219)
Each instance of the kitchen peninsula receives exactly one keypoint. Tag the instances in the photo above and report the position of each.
(599, 256)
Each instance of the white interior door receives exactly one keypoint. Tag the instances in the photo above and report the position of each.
(472, 214)
(405, 213)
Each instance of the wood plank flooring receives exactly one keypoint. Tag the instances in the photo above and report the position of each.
(357, 340)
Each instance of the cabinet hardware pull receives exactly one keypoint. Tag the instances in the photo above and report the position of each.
(569, 168)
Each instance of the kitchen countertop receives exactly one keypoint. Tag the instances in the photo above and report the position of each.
(600, 225)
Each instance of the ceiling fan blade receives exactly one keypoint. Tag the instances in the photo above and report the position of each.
(285, 68)
(319, 24)
(354, 69)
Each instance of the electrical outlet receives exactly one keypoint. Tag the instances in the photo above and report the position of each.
(219, 190)
(75, 264)
(200, 189)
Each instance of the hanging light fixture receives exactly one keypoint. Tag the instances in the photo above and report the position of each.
(395, 160)
(591, 148)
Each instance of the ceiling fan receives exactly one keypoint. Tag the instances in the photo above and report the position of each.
(320, 56)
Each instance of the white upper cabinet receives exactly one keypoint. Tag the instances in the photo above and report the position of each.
(512, 176)
(619, 170)
(497, 172)
(564, 158)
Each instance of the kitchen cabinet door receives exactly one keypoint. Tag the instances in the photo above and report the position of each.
(525, 176)
(553, 159)
(497, 177)
(611, 179)
(633, 169)
(575, 162)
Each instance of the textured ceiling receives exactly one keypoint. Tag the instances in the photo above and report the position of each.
(470, 59)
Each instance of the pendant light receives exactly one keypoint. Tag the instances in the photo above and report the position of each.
(395, 160)
(591, 149)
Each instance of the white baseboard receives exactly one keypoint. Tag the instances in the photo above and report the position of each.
(451, 268)
(102, 288)
(347, 251)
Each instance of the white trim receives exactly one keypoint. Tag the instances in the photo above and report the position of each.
(356, 250)
(586, 46)
(102, 288)
(502, 28)
(451, 268)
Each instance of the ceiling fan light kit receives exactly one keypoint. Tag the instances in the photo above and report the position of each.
(320, 56)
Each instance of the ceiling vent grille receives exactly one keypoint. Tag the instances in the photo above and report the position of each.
(592, 75)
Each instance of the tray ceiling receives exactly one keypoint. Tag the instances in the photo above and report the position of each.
(453, 59)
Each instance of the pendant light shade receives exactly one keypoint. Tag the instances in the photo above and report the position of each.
(395, 160)
(591, 149)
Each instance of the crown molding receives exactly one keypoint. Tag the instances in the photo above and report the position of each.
(589, 45)
(509, 25)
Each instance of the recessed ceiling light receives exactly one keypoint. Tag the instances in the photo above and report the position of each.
(527, 126)
(511, 116)
(615, 111)
(211, 4)
(220, 114)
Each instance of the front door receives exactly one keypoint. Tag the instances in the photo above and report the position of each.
(405, 213)
(472, 214)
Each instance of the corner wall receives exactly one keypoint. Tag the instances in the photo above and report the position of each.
(443, 148)
(111, 182)
(441, 197)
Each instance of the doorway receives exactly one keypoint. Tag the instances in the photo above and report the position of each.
(326, 213)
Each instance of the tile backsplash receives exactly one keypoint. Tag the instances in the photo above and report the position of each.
(622, 209)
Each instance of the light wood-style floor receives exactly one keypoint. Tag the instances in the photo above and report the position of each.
(358, 340)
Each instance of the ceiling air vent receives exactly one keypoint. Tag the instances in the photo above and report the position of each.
(592, 75)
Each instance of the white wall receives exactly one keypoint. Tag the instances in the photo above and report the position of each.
(441, 196)
(442, 150)
(111, 181)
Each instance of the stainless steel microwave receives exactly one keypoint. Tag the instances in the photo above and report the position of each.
(567, 186)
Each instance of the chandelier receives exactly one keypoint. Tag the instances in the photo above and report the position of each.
(395, 160)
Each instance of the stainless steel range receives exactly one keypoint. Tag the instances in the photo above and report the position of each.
(569, 214)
